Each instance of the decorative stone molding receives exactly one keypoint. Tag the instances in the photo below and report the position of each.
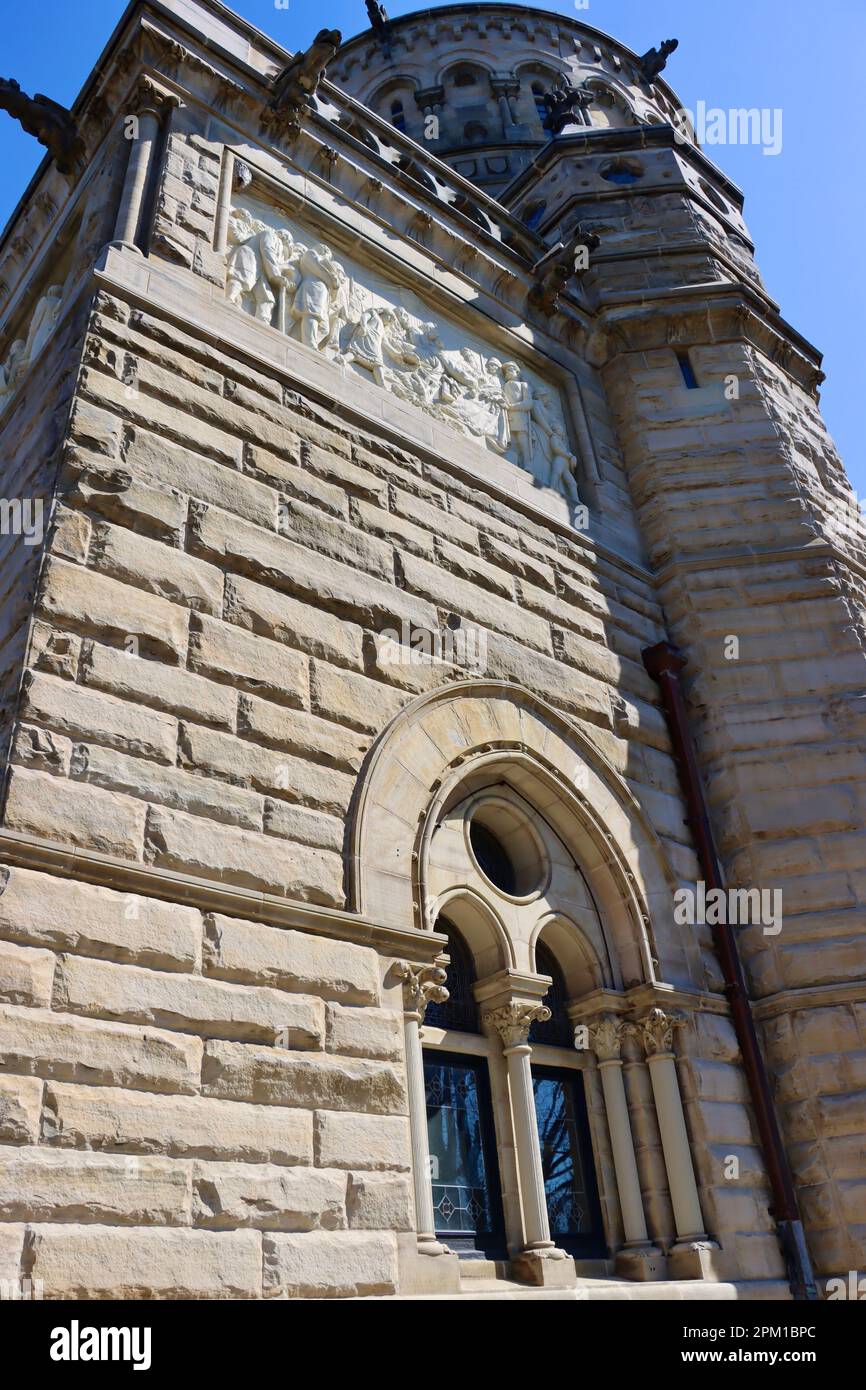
(422, 985)
(513, 1021)
(606, 1038)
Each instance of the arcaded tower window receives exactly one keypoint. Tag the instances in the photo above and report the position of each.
(398, 115)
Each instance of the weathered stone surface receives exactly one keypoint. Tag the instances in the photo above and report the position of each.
(354, 700)
(152, 683)
(173, 466)
(268, 770)
(365, 1032)
(300, 733)
(320, 1264)
(213, 1008)
(80, 1261)
(314, 529)
(20, 1109)
(167, 786)
(380, 1202)
(295, 623)
(255, 663)
(374, 1142)
(106, 1119)
(225, 1195)
(44, 1184)
(158, 568)
(55, 809)
(81, 599)
(305, 826)
(26, 975)
(100, 718)
(193, 845)
(44, 1043)
(290, 960)
(473, 602)
(276, 1076)
(41, 750)
(41, 910)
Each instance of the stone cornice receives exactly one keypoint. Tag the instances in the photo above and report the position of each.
(789, 1001)
(30, 852)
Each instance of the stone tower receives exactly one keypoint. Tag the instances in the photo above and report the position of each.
(363, 432)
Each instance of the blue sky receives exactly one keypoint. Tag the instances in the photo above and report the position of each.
(805, 207)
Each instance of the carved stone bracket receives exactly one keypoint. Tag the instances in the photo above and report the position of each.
(606, 1037)
(422, 985)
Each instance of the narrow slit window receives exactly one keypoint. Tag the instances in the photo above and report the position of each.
(687, 370)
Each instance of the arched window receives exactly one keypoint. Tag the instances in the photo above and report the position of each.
(540, 106)
(460, 1010)
(466, 77)
(558, 1031)
(398, 115)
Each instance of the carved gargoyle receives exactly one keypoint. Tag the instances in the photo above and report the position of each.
(52, 125)
(563, 103)
(295, 87)
(377, 16)
(655, 60)
(554, 270)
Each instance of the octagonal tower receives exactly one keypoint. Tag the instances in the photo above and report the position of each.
(483, 72)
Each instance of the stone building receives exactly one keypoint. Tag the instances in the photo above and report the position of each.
(363, 495)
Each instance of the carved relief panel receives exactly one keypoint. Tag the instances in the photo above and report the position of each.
(278, 271)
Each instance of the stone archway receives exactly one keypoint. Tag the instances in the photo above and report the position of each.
(441, 742)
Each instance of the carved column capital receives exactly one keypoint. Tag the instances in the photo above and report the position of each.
(148, 97)
(605, 1037)
(513, 1021)
(656, 1031)
(422, 985)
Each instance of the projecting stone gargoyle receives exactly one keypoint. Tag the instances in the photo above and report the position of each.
(655, 60)
(377, 16)
(562, 105)
(52, 125)
(296, 85)
(557, 266)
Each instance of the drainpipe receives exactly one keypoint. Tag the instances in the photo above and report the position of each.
(664, 663)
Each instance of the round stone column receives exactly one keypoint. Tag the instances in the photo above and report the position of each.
(638, 1259)
(421, 986)
(147, 110)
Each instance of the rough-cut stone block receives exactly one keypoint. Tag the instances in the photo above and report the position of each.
(99, 718)
(41, 910)
(374, 1142)
(192, 431)
(20, 1109)
(473, 602)
(269, 1197)
(249, 764)
(199, 477)
(44, 1043)
(79, 1261)
(55, 809)
(300, 733)
(222, 852)
(100, 989)
(152, 683)
(293, 622)
(81, 599)
(167, 786)
(315, 530)
(45, 1184)
(274, 1076)
(26, 975)
(320, 1264)
(87, 1117)
(365, 1032)
(290, 960)
(303, 825)
(158, 568)
(380, 1202)
(41, 750)
(348, 698)
(255, 663)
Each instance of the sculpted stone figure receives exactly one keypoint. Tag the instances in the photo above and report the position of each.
(52, 125)
(25, 351)
(655, 60)
(296, 85)
(566, 106)
(304, 290)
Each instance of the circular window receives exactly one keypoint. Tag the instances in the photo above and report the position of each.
(505, 849)
(619, 171)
